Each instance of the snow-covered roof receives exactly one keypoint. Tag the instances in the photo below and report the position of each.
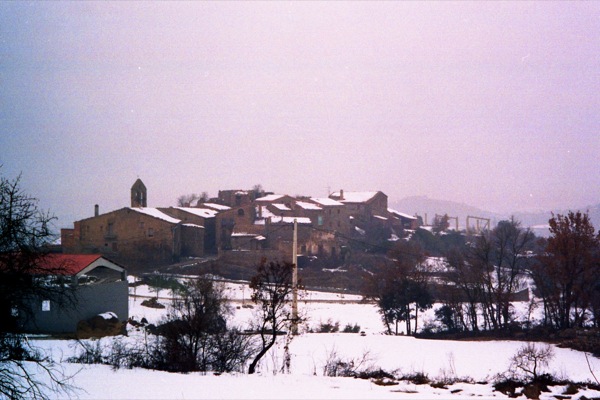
(264, 212)
(281, 206)
(326, 201)
(284, 220)
(156, 213)
(355, 197)
(290, 220)
(194, 226)
(308, 206)
(380, 217)
(253, 236)
(403, 215)
(216, 206)
(270, 197)
(201, 212)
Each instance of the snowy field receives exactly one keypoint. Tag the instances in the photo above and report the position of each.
(479, 360)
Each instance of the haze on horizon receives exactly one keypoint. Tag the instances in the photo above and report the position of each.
(492, 104)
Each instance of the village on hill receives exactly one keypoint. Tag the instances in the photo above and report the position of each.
(238, 227)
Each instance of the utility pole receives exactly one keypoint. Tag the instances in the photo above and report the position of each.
(295, 280)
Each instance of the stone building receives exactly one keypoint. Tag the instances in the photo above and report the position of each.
(137, 236)
(197, 216)
(363, 205)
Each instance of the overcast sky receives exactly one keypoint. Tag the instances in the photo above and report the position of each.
(493, 104)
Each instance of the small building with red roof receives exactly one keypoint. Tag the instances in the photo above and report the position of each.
(96, 286)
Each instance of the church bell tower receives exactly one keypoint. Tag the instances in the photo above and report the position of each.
(138, 194)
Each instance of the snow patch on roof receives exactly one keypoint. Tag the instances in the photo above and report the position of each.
(264, 212)
(194, 226)
(270, 197)
(281, 207)
(216, 206)
(253, 236)
(243, 234)
(308, 206)
(380, 217)
(326, 201)
(285, 220)
(403, 215)
(156, 213)
(201, 212)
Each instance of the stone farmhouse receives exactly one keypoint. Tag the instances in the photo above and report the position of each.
(239, 227)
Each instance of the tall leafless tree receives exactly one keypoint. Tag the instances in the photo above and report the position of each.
(271, 291)
(568, 270)
(24, 238)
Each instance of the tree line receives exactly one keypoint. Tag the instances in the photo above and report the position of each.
(483, 272)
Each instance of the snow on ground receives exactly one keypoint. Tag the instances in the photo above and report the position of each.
(479, 360)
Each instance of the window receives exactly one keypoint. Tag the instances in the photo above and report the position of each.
(46, 305)
(241, 212)
(150, 232)
(320, 220)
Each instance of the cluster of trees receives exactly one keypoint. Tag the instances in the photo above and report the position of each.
(195, 336)
(485, 272)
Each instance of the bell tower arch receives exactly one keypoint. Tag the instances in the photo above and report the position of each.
(138, 194)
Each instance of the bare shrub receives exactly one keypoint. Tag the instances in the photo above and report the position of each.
(329, 326)
(351, 328)
(336, 365)
(530, 359)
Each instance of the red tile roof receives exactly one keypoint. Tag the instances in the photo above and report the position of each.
(66, 264)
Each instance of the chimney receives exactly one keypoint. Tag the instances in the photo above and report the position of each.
(341, 194)
(96, 210)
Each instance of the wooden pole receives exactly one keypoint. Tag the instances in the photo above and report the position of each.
(295, 280)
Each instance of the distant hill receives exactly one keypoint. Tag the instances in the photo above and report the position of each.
(427, 208)
(541, 218)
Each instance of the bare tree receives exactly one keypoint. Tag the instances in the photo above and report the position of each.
(24, 236)
(567, 272)
(501, 257)
(531, 359)
(272, 289)
(400, 288)
(194, 317)
(440, 223)
(192, 199)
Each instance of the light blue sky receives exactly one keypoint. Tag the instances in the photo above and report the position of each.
(494, 104)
